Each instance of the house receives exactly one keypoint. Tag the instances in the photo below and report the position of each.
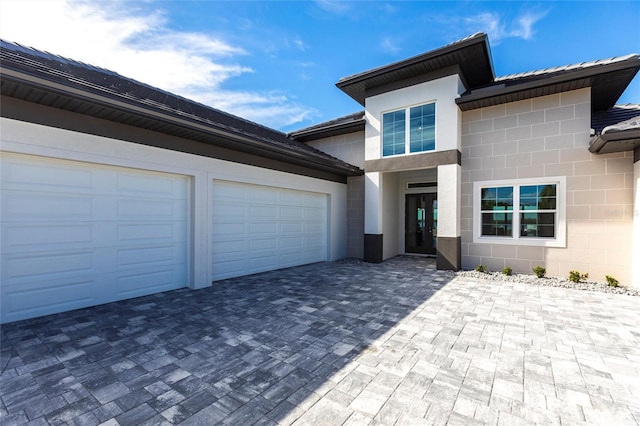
(538, 168)
(113, 189)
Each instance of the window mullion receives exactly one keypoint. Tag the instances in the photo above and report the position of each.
(515, 231)
(407, 131)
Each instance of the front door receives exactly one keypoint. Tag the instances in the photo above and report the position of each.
(420, 223)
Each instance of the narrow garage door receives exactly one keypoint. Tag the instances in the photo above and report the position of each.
(78, 234)
(260, 228)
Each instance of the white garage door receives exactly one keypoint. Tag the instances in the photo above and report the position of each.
(78, 234)
(260, 228)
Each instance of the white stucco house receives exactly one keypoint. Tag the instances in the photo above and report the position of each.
(112, 189)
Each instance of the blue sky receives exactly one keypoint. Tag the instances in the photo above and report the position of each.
(277, 62)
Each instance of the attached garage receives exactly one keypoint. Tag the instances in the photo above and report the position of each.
(77, 234)
(259, 228)
(112, 189)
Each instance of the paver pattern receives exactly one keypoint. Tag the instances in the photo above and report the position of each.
(397, 343)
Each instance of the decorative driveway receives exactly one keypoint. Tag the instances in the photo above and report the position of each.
(332, 343)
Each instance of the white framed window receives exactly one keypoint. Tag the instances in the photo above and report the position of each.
(520, 212)
(419, 122)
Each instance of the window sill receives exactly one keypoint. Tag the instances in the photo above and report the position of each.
(536, 242)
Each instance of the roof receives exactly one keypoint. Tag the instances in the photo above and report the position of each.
(617, 129)
(51, 80)
(608, 79)
(471, 54)
(613, 116)
(348, 124)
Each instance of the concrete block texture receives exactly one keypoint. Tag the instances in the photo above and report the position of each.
(551, 139)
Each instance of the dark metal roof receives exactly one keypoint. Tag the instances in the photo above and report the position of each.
(617, 129)
(607, 78)
(471, 54)
(51, 80)
(348, 124)
(612, 116)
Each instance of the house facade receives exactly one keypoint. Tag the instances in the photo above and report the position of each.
(509, 171)
(112, 189)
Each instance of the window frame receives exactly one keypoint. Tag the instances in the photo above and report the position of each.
(407, 129)
(560, 239)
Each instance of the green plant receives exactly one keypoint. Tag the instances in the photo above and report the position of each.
(576, 276)
(612, 281)
(507, 270)
(482, 268)
(539, 271)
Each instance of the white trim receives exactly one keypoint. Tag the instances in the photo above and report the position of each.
(561, 207)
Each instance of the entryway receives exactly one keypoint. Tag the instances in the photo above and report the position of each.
(421, 223)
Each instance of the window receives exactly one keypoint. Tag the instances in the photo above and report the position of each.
(419, 122)
(526, 212)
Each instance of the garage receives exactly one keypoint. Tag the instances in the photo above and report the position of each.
(78, 234)
(260, 228)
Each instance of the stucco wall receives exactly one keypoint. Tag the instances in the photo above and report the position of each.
(442, 91)
(348, 148)
(544, 137)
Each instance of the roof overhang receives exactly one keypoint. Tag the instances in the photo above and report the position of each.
(76, 95)
(617, 138)
(607, 81)
(472, 55)
(342, 126)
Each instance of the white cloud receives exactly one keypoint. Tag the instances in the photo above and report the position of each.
(389, 46)
(497, 29)
(134, 40)
(334, 6)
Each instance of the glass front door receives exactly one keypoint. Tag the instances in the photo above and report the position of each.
(421, 223)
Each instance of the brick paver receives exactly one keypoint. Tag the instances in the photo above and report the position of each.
(397, 343)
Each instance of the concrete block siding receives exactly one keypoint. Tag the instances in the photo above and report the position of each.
(544, 137)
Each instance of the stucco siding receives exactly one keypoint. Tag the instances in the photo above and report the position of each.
(348, 148)
(548, 137)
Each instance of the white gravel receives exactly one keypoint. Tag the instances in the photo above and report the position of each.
(550, 282)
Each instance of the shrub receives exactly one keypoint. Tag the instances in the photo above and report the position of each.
(612, 281)
(507, 270)
(481, 268)
(576, 276)
(539, 271)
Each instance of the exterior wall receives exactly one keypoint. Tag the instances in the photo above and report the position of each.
(27, 138)
(391, 223)
(544, 137)
(442, 91)
(636, 225)
(355, 217)
(348, 148)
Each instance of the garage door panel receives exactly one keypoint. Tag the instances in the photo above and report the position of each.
(109, 232)
(272, 228)
(44, 297)
(37, 205)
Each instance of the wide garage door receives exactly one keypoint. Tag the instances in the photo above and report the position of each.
(78, 234)
(261, 228)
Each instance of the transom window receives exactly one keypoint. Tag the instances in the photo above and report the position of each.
(523, 212)
(419, 122)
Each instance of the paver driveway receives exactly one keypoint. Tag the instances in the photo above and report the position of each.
(332, 343)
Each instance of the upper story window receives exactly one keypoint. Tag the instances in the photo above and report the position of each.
(418, 122)
(523, 211)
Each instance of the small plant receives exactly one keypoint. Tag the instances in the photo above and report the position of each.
(576, 276)
(481, 268)
(612, 281)
(539, 271)
(507, 270)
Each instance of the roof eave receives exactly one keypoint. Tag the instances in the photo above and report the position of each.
(553, 84)
(348, 84)
(328, 131)
(234, 140)
(615, 141)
